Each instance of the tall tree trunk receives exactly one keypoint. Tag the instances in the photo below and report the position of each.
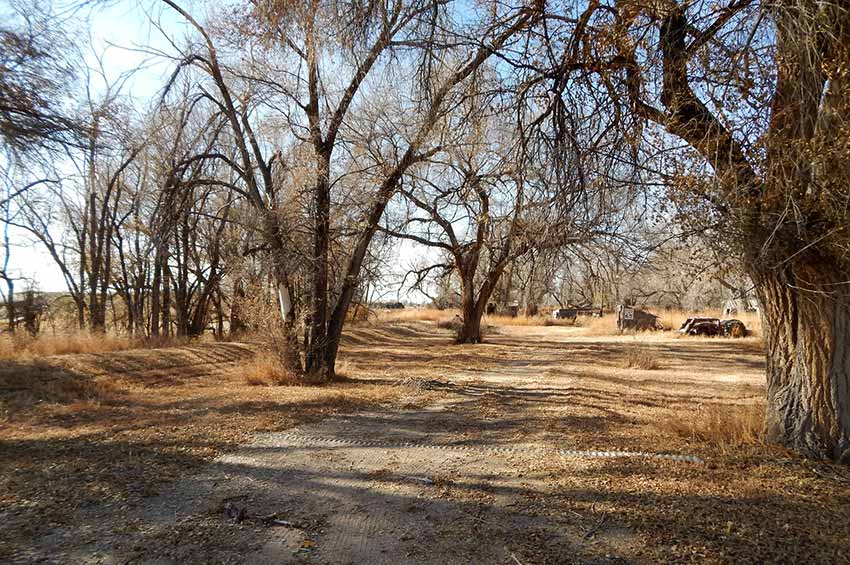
(316, 362)
(290, 355)
(473, 306)
(166, 299)
(507, 289)
(219, 315)
(155, 294)
(807, 330)
(81, 313)
(470, 330)
(237, 325)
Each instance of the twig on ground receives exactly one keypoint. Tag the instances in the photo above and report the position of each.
(273, 520)
(589, 533)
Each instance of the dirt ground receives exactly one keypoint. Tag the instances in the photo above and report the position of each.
(428, 453)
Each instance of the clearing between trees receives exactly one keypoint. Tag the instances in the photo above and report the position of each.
(420, 453)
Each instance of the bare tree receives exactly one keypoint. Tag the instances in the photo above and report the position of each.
(760, 95)
(489, 204)
(311, 39)
(35, 76)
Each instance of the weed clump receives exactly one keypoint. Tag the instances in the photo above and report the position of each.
(724, 426)
(641, 359)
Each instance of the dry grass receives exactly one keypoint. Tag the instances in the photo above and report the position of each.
(265, 369)
(498, 320)
(725, 426)
(641, 359)
(549, 322)
(415, 314)
(25, 347)
(28, 384)
(453, 324)
(673, 319)
(21, 346)
(592, 326)
(113, 435)
(82, 430)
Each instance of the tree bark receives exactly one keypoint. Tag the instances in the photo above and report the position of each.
(472, 307)
(807, 330)
(237, 325)
(155, 295)
(317, 365)
(470, 330)
(166, 298)
(10, 305)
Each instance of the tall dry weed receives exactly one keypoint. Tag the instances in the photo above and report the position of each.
(726, 426)
(639, 358)
(266, 369)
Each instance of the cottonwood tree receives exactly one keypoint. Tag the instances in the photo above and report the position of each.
(760, 94)
(488, 201)
(306, 65)
(468, 203)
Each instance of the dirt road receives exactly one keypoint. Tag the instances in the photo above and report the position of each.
(463, 480)
(429, 485)
(521, 463)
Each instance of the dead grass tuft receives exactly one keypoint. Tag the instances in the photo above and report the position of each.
(726, 426)
(265, 369)
(641, 359)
